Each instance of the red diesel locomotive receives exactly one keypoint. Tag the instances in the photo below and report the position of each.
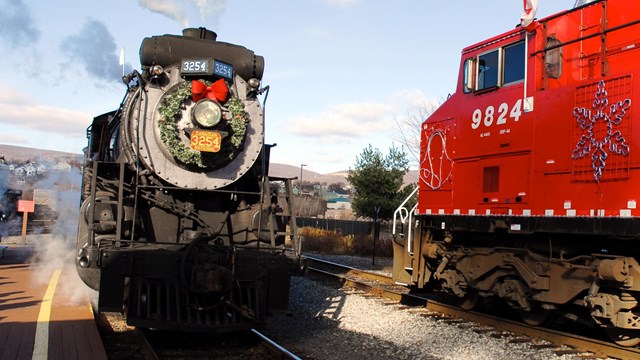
(530, 173)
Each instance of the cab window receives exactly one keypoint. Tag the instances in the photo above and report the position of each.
(488, 70)
(498, 67)
(514, 63)
(469, 75)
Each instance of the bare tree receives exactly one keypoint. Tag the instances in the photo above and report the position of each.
(408, 127)
(308, 206)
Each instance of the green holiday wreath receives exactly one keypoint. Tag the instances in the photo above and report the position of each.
(170, 114)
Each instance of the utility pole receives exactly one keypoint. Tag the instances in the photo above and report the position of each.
(301, 165)
(376, 234)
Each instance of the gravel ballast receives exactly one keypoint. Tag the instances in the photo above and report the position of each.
(329, 323)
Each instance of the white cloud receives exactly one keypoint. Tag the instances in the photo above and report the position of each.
(13, 139)
(10, 95)
(342, 122)
(19, 111)
(350, 121)
(413, 98)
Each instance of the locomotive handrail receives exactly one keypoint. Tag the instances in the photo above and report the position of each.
(586, 37)
(404, 215)
(402, 211)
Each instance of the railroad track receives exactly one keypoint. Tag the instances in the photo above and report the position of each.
(277, 350)
(262, 348)
(383, 286)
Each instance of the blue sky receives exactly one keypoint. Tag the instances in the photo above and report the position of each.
(339, 71)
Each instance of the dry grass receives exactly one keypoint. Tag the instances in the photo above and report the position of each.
(335, 243)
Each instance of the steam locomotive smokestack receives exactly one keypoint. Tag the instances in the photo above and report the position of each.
(165, 50)
(200, 33)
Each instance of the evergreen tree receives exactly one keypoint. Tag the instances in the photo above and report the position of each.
(377, 180)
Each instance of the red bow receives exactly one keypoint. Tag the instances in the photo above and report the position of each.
(218, 91)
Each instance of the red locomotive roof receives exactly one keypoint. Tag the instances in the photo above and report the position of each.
(493, 40)
(517, 30)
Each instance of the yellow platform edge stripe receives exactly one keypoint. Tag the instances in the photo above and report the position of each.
(41, 344)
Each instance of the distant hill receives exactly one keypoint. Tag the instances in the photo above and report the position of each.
(290, 171)
(20, 154)
(283, 170)
(411, 177)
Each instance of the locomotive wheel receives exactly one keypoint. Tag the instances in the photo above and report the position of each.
(537, 316)
(469, 301)
(624, 337)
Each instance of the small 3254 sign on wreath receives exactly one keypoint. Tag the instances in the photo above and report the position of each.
(170, 114)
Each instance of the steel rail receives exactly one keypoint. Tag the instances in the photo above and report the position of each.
(345, 275)
(276, 348)
(315, 263)
(146, 348)
(278, 351)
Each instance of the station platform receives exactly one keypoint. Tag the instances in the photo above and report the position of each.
(45, 310)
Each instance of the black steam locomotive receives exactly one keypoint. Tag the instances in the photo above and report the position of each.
(178, 227)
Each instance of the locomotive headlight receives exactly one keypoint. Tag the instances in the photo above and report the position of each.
(156, 70)
(254, 83)
(207, 113)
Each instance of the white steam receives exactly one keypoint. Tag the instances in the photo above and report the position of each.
(57, 250)
(178, 9)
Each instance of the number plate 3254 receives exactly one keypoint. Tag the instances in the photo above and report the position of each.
(203, 140)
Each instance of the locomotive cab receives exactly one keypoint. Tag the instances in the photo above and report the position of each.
(488, 122)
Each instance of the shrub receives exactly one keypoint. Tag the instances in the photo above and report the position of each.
(335, 243)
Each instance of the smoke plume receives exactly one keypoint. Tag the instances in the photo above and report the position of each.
(166, 8)
(96, 50)
(16, 25)
(177, 10)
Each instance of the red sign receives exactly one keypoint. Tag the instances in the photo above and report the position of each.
(26, 205)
